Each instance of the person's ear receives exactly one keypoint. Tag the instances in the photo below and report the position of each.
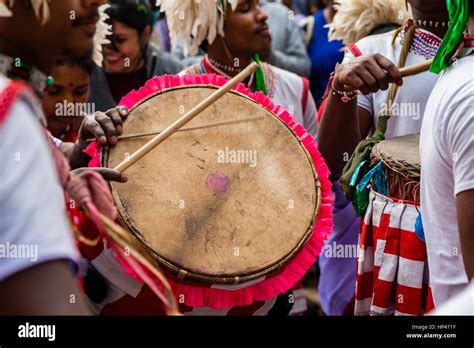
(146, 35)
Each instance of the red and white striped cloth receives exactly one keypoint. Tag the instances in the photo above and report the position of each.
(392, 268)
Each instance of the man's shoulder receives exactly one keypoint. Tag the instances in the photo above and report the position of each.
(380, 43)
(3, 81)
(456, 83)
(461, 72)
(451, 99)
(23, 97)
(284, 75)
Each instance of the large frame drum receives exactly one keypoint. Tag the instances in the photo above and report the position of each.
(232, 197)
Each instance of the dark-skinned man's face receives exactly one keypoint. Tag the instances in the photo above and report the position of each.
(246, 30)
(83, 16)
(69, 30)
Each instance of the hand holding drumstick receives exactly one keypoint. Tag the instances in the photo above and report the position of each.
(344, 124)
(373, 73)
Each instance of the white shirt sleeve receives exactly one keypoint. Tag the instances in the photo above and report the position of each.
(459, 138)
(310, 117)
(33, 223)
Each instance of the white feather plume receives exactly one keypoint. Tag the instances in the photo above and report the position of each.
(194, 21)
(4, 10)
(355, 19)
(100, 38)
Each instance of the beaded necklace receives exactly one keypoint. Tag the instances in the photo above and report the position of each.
(424, 43)
(206, 67)
(432, 24)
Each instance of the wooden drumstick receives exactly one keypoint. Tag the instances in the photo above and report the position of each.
(173, 128)
(210, 125)
(416, 69)
(409, 70)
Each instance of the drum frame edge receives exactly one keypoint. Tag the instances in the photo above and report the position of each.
(183, 274)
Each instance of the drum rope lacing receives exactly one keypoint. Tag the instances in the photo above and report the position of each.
(405, 169)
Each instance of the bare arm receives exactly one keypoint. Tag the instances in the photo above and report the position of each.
(45, 289)
(342, 127)
(465, 215)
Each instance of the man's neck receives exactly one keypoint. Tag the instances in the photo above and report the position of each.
(218, 53)
(437, 17)
(239, 63)
(224, 67)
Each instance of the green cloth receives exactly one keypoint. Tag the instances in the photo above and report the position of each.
(259, 77)
(361, 197)
(362, 153)
(459, 17)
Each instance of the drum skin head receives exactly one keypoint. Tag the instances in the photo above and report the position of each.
(219, 204)
(405, 148)
(402, 166)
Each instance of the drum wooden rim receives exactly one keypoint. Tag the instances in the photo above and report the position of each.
(181, 273)
(395, 162)
(402, 169)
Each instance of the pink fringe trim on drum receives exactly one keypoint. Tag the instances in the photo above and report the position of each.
(195, 294)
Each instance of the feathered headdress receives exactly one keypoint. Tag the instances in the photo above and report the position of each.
(40, 7)
(355, 19)
(100, 38)
(194, 21)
